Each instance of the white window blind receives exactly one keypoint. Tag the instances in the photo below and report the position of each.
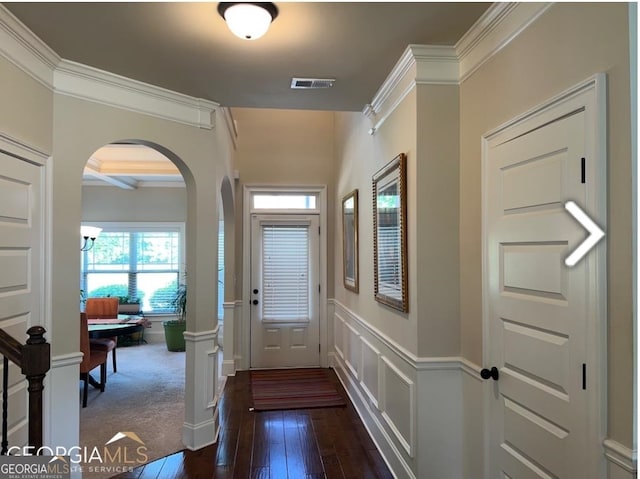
(389, 263)
(285, 273)
(137, 261)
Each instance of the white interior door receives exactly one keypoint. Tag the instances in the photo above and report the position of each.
(539, 422)
(284, 297)
(21, 276)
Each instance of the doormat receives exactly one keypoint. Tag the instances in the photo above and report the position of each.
(276, 389)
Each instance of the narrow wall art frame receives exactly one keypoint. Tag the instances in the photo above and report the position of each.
(350, 253)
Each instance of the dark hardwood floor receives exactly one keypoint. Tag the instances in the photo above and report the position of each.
(295, 444)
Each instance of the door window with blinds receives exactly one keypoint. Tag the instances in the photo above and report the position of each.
(285, 273)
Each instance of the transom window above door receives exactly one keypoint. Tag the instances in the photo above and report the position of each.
(283, 201)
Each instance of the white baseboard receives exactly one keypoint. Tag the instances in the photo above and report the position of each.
(228, 367)
(197, 436)
(385, 445)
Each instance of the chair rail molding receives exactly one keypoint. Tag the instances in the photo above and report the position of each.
(621, 456)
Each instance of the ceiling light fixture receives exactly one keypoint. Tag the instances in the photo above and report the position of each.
(248, 20)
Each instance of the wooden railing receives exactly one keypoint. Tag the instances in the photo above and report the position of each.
(33, 358)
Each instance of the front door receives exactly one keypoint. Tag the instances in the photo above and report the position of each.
(285, 297)
(537, 330)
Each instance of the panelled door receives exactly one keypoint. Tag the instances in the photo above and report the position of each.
(537, 305)
(21, 270)
(284, 299)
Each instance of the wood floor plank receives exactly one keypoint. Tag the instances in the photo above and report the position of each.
(152, 469)
(295, 460)
(277, 449)
(329, 443)
(242, 467)
(173, 467)
(309, 444)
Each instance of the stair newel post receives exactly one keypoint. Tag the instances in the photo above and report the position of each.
(36, 361)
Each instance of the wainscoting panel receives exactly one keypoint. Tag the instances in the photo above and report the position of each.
(473, 426)
(398, 404)
(412, 406)
(371, 371)
(338, 338)
(353, 350)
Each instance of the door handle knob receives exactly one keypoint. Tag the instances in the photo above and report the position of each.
(255, 291)
(492, 373)
(255, 301)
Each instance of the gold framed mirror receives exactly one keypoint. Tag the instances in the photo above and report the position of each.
(390, 234)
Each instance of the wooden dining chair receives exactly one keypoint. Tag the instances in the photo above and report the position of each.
(103, 308)
(91, 359)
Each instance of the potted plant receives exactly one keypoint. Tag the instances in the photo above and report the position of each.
(174, 329)
(128, 305)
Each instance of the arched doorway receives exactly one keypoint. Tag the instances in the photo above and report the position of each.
(137, 195)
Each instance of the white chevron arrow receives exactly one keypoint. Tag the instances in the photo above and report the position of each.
(595, 233)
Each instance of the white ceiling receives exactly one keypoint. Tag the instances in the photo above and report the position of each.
(187, 47)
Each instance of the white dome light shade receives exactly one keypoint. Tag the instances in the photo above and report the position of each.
(248, 21)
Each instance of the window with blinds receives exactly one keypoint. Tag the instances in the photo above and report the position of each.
(135, 262)
(389, 269)
(285, 273)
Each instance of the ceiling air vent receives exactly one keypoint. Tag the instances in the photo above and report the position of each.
(307, 83)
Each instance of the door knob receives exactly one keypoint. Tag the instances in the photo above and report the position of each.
(255, 301)
(492, 373)
(255, 291)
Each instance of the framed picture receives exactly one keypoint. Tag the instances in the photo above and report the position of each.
(350, 240)
(390, 234)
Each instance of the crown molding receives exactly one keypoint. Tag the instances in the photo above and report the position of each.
(418, 65)
(88, 83)
(451, 65)
(495, 29)
(24, 49)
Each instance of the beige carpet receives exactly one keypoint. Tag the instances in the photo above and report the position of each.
(146, 397)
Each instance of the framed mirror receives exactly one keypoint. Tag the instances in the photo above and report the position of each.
(390, 234)
(350, 240)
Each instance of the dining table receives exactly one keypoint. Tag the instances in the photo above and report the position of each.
(123, 325)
